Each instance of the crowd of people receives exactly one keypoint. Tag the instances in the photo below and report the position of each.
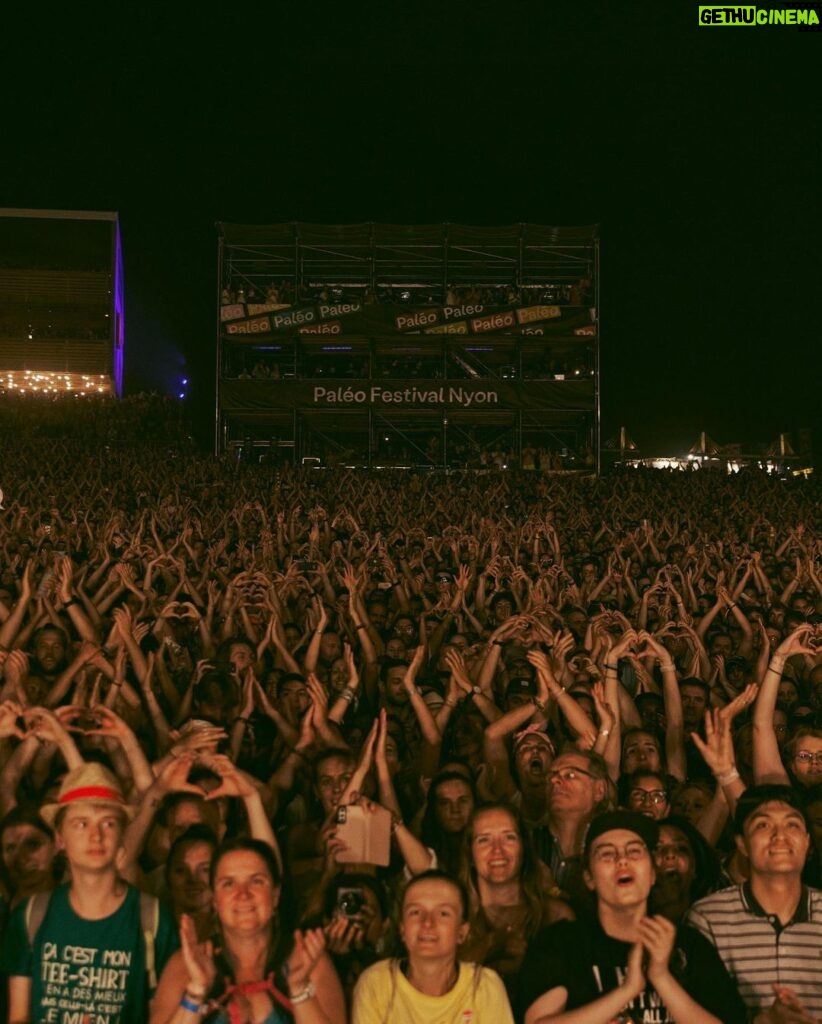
(258, 290)
(280, 745)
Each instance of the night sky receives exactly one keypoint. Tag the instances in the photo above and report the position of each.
(696, 149)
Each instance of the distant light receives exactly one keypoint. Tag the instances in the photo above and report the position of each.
(181, 394)
(47, 382)
(185, 380)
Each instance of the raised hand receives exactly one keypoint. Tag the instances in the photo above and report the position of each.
(308, 948)
(10, 713)
(657, 935)
(198, 959)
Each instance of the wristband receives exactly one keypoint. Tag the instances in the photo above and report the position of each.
(612, 668)
(70, 602)
(538, 704)
(604, 732)
(302, 997)
(362, 625)
(668, 666)
(348, 694)
(727, 778)
(188, 1004)
(241, 718)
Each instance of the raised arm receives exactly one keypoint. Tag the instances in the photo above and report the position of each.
(767, 762)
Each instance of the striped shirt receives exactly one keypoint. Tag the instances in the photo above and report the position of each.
(759, 951)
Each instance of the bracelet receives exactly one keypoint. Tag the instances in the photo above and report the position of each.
(612, 668)
(668, 666)
(727, 778)
(362, 625)
(538, 704)
(302, 997)
(347, 694)
(188, 1004)
(604, 732)
(70, 602)
(497, 643)
(241, 718)
(450, 703)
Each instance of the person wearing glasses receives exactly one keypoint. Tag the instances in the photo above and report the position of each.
(802, 764)
(646, 792)
(768, 930)
(620, 964)
(578, 788)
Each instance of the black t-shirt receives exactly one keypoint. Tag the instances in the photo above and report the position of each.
(579, 956)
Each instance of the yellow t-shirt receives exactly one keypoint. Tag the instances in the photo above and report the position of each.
(384, 995)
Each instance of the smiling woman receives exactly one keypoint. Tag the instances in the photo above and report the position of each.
(253, 969)
(430, 983)
(510, 893)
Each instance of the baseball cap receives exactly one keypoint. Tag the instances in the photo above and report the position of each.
(645, 828)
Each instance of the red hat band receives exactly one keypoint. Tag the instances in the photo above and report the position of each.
(91, 793)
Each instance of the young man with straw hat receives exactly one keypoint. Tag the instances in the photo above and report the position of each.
(92, 949)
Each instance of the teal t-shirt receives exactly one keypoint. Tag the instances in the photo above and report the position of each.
(87, 972)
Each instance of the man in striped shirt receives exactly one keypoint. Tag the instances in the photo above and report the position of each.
(768, 931)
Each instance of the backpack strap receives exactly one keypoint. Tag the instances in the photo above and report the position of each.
(149, 923)
(35, 913)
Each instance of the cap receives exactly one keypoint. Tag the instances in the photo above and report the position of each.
(533, 732)
(646, 828)
(90, 783)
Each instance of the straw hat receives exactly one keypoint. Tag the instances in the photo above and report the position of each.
(90, 783)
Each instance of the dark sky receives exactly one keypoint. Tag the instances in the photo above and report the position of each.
(696, 149)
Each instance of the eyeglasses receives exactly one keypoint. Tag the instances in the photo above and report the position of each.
(806, 757)
(610, 854)
(645, 796)
(569, 774)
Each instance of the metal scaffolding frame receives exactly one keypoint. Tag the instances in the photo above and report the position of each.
(420, 265)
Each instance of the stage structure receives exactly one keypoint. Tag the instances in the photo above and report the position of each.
(439, 346)
(61, 302)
